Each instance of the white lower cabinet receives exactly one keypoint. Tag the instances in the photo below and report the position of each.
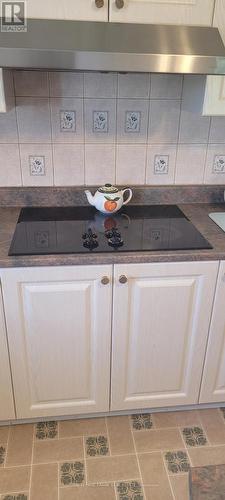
(6, 394)
(161, 318)
(213, 382)
(59, 332)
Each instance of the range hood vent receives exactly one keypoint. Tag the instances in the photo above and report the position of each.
(91, 46)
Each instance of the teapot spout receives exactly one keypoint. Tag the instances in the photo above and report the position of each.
(90, 198)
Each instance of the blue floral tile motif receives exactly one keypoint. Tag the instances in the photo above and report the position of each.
(67, 121)
(140, 422)
(100, 121)
(161, 164)
(37, 165)
(177, 461)
(72, 473)
(45, 430)
(219, 164)
(17, 496)
(2, 455)
(41, 239)
(97, 446)
(130, 491)
(133, 121)
(194, 436)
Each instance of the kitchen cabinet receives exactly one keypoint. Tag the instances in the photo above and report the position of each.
(213, 381)
(59, 332)
(6, 394)
(161, 316)
(196, 12)
(79, 10)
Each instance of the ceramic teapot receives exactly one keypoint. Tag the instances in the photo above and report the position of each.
(108, 198)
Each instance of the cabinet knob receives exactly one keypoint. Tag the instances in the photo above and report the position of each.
(99, 3)
(119, 4)
(123, 279)
(105, 280)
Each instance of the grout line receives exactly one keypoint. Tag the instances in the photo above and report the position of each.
(32, 457)
(139, 468)
(167, 473)
(7, 446)
(85, 460)
(58, 471)
(107, 432)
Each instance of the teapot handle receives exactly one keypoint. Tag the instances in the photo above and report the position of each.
(129, 197)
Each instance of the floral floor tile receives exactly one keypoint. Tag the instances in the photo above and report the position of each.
(177, 461)
(97, 446)
(17, 496)
(129, 491)
(2, 455)
(194, 436)
(140, 422)
(72, 473)
(46, 430)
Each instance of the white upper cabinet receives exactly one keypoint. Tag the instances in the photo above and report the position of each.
(6, 394)
(196, 12)
(213, 382)
(59, 331)
(161, 319)
(82, 10)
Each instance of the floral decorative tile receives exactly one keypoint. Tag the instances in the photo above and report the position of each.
(68, 121)
(133, 121)
(37, 165)
(41, 239)
(72, 473)
(97, 445)
(219, 164)
(2, 455)
(223, 412)
(161, 164)
(130, 491)
(177, 461)
(100, 121)
(17, 496)
(194, 436)
(140, 422)
(46, 430)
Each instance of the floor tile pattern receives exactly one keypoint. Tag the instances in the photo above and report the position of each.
(138, 457)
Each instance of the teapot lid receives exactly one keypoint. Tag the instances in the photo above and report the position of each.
(108, 188)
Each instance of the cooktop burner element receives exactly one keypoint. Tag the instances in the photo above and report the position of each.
(83, 230)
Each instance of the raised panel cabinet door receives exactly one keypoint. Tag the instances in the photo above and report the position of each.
(59, 331)
(161, 318)
(213, 381)
(6, 393)
(195, 12)
(78, 10)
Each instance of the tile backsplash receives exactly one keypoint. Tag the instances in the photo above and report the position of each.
(68, 128)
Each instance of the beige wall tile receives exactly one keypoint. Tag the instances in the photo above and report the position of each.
(93, 132)
(130, 164)
(190, 163)
(68, 164)
(14, 479)
(215, 164)
(99, 492)
(86, 426)
(100, 84)
(166, 86)
(156, 175)
(134, 85)
(180, 487)
(66, 84)
(214, 426)
(120, 436)
(58, 450)
(10, 173)
(31, 83)
(63, 130)
(19, 450)
(194, 128)
(160, 439)
(33, 116)
(8, 125)
(164, 117)
(109, 469)
(126, 108)
(99, 164)
(32, 175)
(207, 455)
(176, 419)
(4, 432)
(44, 483)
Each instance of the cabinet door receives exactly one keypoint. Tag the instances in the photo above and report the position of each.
(196, 12)
(83, 10)
(213, 382)
(160, 327)
(59, 329)
(6, 393)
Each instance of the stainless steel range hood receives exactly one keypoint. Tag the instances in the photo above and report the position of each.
(72, 45)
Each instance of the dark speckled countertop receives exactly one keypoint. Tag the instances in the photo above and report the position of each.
(197, 213)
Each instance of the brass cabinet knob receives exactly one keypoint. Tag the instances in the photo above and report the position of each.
(119, 4)
(99, 3)
(105, 280)
(123, 279)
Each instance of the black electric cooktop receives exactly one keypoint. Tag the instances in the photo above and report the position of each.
(84, 230)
